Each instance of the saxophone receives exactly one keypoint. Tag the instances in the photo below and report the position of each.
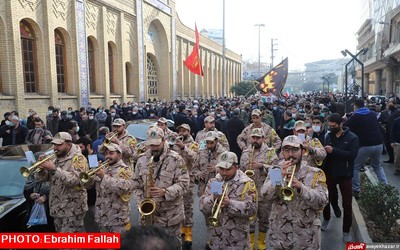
(250, 172)
(147, 206)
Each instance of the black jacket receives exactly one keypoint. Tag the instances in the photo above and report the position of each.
(20, 134)
(234, 128)
(345, 148)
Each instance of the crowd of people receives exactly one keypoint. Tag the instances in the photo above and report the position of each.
(264, 168)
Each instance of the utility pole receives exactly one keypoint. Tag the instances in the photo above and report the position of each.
(259, 42)
(272, 51)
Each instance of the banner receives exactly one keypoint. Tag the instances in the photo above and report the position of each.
(193, 62)
(274, 80)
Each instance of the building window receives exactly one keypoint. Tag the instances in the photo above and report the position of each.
(60, 61)
(152, 80)
(1, 83)
(127, 77)
(111, 68)
(28, 56)
(91, 62)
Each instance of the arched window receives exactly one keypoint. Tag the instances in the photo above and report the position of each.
(91, 62)
(28, 49)
(60, 61)
(152, 79)
(111, 68)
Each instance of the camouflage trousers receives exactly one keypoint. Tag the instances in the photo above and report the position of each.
(115, 228)
(188, 204)
(71, 224)
(263, 213)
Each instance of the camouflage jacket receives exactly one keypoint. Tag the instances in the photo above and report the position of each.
(113, 194)
(201, 135)
(171, 174)
(189, 152)
(235, 219)
(296, 224)
(128, 144)
(203, 159)
(264, 155)
(67, 196)
(316, 155)
(271, 137)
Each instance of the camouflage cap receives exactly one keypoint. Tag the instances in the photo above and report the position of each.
(211, 136)
(61, 137)
(162, 120)
(118, 122)
(184, 125)
(227, 159)
(209, 119)
(113, 147)
(292, 140)
(257, 132)
(256, 112)
(300, 125)
(155, 136)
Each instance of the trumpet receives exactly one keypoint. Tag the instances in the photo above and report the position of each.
(287, 192)
(107, 141)
(173, 139)
(34, 168)
(250, 172)
(147, 206)
(216, 209)
(85, 177)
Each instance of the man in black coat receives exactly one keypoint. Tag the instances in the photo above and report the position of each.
(13, 133)
(181, 117)
(234, 128)
(387, 117)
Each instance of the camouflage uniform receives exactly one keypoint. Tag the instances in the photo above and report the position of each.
(296, 224)
(67, 197)
(267, 156)
(316, 155)
(128, 144)
(171, 174)
(201, 135)
(272, 138)
(203, 159)
(113, 194)
(188, 153)
(235, 219)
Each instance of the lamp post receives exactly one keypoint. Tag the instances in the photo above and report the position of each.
(354, 57)
(223, 50)
(259, 57)
(327, 80)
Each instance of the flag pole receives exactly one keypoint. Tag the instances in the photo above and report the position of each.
(255, 85)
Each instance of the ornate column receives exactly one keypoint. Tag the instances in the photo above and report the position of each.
(389, 81)
(378, 82)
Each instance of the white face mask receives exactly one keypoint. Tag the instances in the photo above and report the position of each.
(91, 117)
(293, 116)
(301, 136)
(316, 128)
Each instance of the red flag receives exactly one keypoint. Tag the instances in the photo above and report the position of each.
(193, 62)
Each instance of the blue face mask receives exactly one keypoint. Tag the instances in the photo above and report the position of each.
(275, 108)
(322, 114)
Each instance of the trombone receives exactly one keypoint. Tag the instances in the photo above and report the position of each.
(85, 177)
(34, 168)
(216, 209)
(107, 141)
(287, 192)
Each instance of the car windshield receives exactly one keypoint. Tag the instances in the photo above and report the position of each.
(138, 130)
(11, 180)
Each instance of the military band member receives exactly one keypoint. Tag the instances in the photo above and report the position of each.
(258, 158)
(315, 153)
(127, 142)
(170, 177)
(68, 197)
(162, 123)
(239, 204)
(209, 125)
(188, 149)
(271, 137)
(204, 166)
(114, 186)
(296, 224)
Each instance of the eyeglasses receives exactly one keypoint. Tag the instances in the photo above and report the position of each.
(293, 150)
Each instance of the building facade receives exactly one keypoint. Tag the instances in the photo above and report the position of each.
(380, 33)
(66, 53)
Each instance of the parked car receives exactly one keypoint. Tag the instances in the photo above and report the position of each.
(377, 98)
(138, 128)
(13, 205)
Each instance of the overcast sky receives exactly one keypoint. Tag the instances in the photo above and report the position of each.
(306, 30)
